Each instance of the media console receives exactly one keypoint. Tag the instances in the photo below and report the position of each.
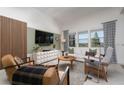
(42, 57)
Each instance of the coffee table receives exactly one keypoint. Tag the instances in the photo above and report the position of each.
(67, 58)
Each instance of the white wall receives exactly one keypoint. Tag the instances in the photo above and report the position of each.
(120, 39)
(95, 22)
(31, 41)
(32, 17)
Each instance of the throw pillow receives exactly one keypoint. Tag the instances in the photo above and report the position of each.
(71, 50)
(93, 51)
(89, 53)
(18, 60)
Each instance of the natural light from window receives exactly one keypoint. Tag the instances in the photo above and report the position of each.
(83, 39)
(97, 37)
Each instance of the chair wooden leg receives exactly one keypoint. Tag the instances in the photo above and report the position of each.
(86, 78)
(68, 77)
(101, 73)
(72, 64)
(85, 70)
(105, 76)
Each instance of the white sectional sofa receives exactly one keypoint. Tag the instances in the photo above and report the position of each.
(41, 57)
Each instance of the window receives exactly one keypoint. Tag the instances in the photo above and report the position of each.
(97, 37)
(72, 40)
(83, 39)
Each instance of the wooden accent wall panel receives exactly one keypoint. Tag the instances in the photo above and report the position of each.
(19, 38)
(24, 39)
(5, 36)
(13, 37)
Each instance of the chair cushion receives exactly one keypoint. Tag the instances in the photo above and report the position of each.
(94, 64)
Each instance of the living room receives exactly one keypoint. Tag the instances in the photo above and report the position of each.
(54, 32)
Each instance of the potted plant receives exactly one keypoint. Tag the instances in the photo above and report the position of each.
(36, 48)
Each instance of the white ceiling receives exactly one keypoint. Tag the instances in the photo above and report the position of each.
(67, 15)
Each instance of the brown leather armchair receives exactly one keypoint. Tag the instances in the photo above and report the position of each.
(10, 65)
(51, 77)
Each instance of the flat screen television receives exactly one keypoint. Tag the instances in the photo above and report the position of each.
(43, 37)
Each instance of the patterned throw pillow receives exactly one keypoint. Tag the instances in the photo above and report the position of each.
(18, 60)
(91, 52)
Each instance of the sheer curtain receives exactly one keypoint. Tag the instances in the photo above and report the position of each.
(109, 37)
(66, 43)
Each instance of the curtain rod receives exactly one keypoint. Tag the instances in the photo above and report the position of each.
(109, 21)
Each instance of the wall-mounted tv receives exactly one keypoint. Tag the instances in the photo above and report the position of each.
(43, 37)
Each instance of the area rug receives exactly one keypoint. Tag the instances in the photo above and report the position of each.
(115, 74)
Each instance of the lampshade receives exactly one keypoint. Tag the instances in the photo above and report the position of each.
(63, 40)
